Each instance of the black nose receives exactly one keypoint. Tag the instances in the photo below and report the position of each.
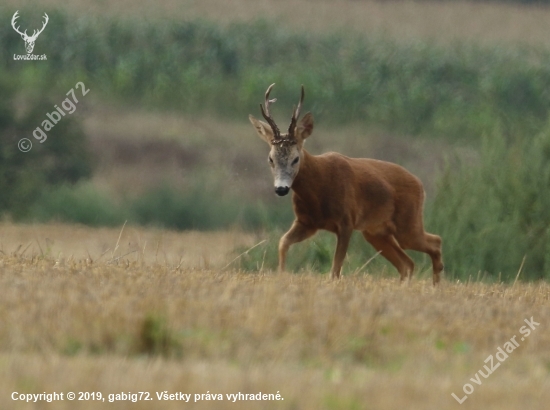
(282, 190)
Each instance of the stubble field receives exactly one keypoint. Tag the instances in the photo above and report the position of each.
(169, 317)
(129, 309)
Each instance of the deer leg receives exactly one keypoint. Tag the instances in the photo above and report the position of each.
(430, 244)
(297, 233)
(390, 249)
(435, 254)
(342, 244)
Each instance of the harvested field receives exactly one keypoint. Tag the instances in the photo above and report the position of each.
(364, 342)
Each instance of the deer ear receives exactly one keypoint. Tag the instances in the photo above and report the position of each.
(304, 127)
(264, 130)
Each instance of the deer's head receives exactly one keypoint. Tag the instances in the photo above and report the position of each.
(29, 40)
(286, 152)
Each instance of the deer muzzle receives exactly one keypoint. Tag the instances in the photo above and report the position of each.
(282, 190)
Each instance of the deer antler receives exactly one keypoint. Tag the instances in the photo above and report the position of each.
(37, 32)
(13, 21)
(267, 115)
(295, 115)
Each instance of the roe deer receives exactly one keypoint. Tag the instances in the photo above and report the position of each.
(339, 194)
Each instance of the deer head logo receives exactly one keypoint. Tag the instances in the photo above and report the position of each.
(29, 40)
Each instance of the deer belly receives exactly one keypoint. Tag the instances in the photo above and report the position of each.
(377, 221)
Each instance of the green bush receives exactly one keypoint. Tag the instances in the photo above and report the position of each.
(201, 206)
(195, 208)
(62, 158)
(493, 215)
(80, 203)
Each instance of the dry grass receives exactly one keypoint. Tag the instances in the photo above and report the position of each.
(66, 243)
(404, 20)
(364, 342)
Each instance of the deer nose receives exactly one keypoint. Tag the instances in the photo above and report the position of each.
(282, 190)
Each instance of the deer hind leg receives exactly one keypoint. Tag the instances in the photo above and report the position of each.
(430, 244)
(297, 233)
(389, 248)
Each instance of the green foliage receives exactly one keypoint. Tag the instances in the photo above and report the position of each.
(193, 209)
(459, 91)
(199, 206)
(72, 347)
(493, 215)
(62, 157)
(80, 203)
(202, 205)
(157, 339)
(337, 402)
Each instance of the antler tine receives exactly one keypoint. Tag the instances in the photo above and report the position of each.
(296, 114)
(267, 115)
(37, 32)
(13, 22)
(46, 19)
(14, 18)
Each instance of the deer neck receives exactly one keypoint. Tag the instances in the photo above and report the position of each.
(309, 176)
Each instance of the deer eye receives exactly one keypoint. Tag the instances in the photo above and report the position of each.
(270, 160)
(295, 161)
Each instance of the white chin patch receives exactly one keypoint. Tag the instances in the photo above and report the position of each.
(284, 183)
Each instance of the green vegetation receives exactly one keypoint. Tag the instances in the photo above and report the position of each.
(156, 338)
(25, 176)
(493, 214)
(165, 206)
(458, 92)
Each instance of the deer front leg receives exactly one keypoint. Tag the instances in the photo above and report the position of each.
(344, 237)
(297, 233)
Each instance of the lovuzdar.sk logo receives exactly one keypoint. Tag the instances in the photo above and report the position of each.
(29, 40)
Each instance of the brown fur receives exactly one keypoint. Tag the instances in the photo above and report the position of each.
(339, 194)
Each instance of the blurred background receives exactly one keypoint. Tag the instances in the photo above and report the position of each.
(458, 92)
